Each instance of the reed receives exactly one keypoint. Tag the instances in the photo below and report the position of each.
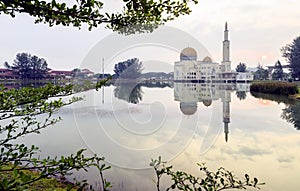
(274, 87)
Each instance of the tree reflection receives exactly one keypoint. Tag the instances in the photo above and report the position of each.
(291, 113)
(132, 93)
(241, 95)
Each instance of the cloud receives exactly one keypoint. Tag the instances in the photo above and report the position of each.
(245, 152)
(285, 159)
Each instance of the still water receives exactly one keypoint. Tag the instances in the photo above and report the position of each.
(186, 124)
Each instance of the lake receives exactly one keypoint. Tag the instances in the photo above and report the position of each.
(184, 123)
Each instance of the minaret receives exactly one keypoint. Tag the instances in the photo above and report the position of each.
(226, 63)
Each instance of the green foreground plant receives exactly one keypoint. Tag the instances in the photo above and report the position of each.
(222, 179)
(135, 16)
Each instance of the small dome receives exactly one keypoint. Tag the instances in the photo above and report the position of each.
(207, 103)
(188, 108)
(207, 59)
(188, 54)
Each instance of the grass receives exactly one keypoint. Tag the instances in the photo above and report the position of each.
(47, 184)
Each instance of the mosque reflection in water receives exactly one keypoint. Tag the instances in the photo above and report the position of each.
(190, 95)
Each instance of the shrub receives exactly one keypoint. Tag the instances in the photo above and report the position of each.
(279, 88)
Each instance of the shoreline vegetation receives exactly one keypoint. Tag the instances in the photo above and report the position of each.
(48, 183)
(290, 89)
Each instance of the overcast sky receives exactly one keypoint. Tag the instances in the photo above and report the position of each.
(258, 29)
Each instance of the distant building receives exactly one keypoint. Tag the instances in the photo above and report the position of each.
(244, 77)
(189, 69)
(10, 75)
(87, 72)
(7, 74)
(60, 74)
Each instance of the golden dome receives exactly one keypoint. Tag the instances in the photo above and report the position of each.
(207, 59)
(207, 102)
(188, 108)
(188, 54)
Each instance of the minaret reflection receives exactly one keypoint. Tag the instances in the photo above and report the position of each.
(226, 112)
(189, 94)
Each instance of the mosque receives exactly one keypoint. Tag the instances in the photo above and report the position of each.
(189, 69)
(207, 81)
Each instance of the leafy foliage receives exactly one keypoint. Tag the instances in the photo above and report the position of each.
(241, 67)
(261, 73)
(292, 54)
(143, 14)
(278, 71)
(18, 114)
(129, 69)
(28, 67)
(222, 179)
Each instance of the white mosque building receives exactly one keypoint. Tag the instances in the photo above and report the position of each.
(189, 69)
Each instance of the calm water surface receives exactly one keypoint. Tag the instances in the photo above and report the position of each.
(186, 124)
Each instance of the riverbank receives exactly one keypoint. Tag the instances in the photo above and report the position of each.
(275, 87)
(47, 184)
(296, 96)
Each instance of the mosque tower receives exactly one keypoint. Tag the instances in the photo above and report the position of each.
(226, 63)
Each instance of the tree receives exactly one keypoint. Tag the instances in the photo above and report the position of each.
(261, 73)
(27, 66)
(292, 54)
(241, 67)
(129, 69)
(278, 71)
(145, 14)
(77, 73)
